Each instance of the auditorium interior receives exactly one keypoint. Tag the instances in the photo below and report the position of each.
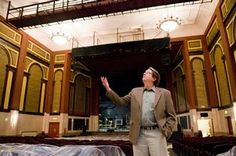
(50, 89)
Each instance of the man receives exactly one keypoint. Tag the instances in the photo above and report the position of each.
(152, 115)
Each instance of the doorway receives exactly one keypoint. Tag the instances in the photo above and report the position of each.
(205, 125)
(53, 129)
(229, 124)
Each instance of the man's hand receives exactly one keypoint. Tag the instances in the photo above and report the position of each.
(105, 83)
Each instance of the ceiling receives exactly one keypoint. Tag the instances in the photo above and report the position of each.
(122, 27)
(106, 29)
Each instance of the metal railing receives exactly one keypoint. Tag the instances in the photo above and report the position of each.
(44, 7)
(50, 7)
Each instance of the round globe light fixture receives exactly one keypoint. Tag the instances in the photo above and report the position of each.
(169, 24)
(59, 38)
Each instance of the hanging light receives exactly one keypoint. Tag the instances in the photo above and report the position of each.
(169, 24)
(59, 38)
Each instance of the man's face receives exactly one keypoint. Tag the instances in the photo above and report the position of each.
(147, 76)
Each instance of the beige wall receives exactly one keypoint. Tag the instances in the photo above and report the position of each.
(24, 123)
(27, 123)
(4, 120)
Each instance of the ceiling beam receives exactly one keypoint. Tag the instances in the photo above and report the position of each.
(80, 10)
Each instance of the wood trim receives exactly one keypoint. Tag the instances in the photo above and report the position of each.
(49, 87)
(231, 66)
(194, 37)
(211, 88)
(189, 77)
(16, 95)
(66, 83)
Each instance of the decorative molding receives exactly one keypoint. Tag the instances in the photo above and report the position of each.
(58, 68)
(75, 74)
(194, 45)
(60, 59)
(196, 56)
(179, 65)
(218, 43)
(13, 54)
(72, 77)
(230, 29)
(10, 35)
(212, 32)
(226, 7)
(29, 61)
(38, 51)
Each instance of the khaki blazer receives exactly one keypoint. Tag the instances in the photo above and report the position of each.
(163, 110)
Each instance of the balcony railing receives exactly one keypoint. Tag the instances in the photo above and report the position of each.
(45, 7)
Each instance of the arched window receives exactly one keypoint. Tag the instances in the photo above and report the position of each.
(33, 91)
(180, 94)
(3, 72)
(79, 96)
(57, 91)
(200, 83)
(221, 77)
